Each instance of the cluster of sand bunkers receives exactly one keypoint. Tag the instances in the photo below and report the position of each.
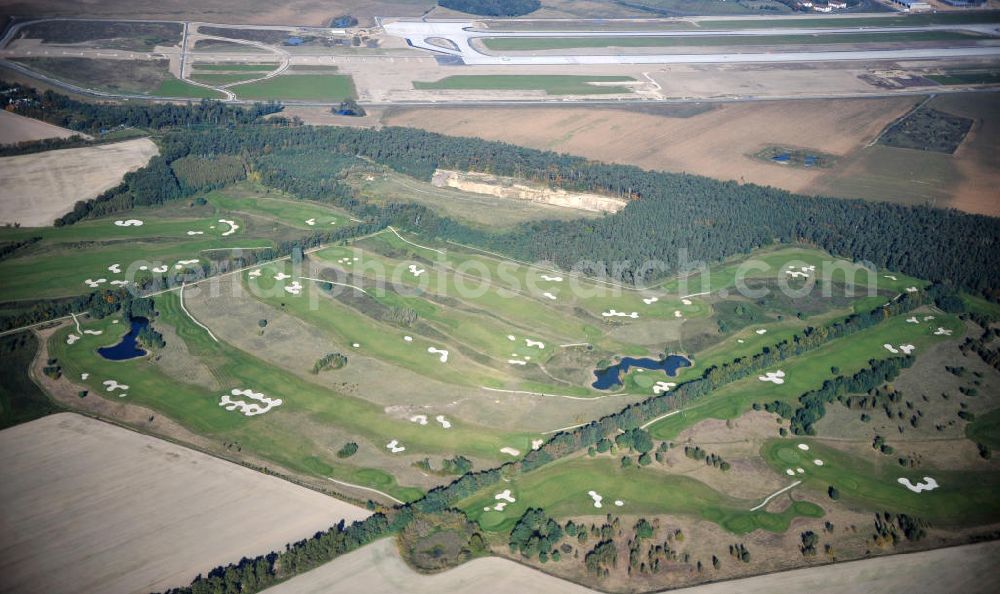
(523, 359)
(802, 272)
(415, 270)
(799, 470)
(661, 386)
(117, 269)
(503, 498)
(615, 313)
(422, 420)
(598, 498)
(906, 349)
(395, 447)
(249, 409)
(312, 222)
(775, 377)
(232, 226)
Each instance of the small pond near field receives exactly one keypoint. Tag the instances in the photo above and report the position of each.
(127, 348)
(609, 378)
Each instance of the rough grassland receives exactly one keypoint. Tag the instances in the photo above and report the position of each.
(15, 129)
(378, 569)
(90, 507)
(302, 87)
(552, 84)
(40, 187)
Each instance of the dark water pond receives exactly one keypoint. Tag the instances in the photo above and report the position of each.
(608, 378)
(127, 348)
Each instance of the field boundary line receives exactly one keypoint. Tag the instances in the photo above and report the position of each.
(180, 296)
(669, 414)
(527, 393)
(389, 227)
(319, 280)
(352, 485)
(775, 494)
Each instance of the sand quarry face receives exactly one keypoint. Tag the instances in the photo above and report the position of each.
(90, 507)
(39, 188)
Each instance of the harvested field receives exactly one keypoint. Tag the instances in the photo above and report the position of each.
(134, 513)
(40, 187)
(378, 568)
(15, 128)
(719, 142)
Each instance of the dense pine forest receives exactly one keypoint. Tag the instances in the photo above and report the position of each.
(668, 213)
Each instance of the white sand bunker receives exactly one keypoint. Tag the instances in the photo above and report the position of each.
(890, 348)
(597, 498)
(72, 338)
(281, 276)
(890, 277)
(912, 320)
(660, 387)
(255, 273)
(818, 462)
(510, 451)
(195, 232)
(394, 447)
(232, 226)
(536, 443)
(310, 222)
(942, 332)
(677, 313)
(356, 345)
(761, 331)
(511, 337)
(445, 423)
(295, 288)
(804, 447)
(119, 283)
(116, 268)
(160, 269)
(775, 377)
(534, 343)
(911, 289)
(789, 472)
(740, 340)
(552, 279)
(650, 300)
(182, 263)
(549, 296)
(615, 313)
(619, 503)
(144, 267)
(442, 352)
(414, 270)
(799, 470)
(93, 284)
(516, 362)
(408, 338)
(94, 332)
(505, 496)
(928, 318)
(129, 223)
(929, 484)
(422, 419)
(249, 409)
(112, 385)
(84, 376)
(907, 348)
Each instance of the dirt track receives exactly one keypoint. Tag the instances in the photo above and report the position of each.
(90, 507)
